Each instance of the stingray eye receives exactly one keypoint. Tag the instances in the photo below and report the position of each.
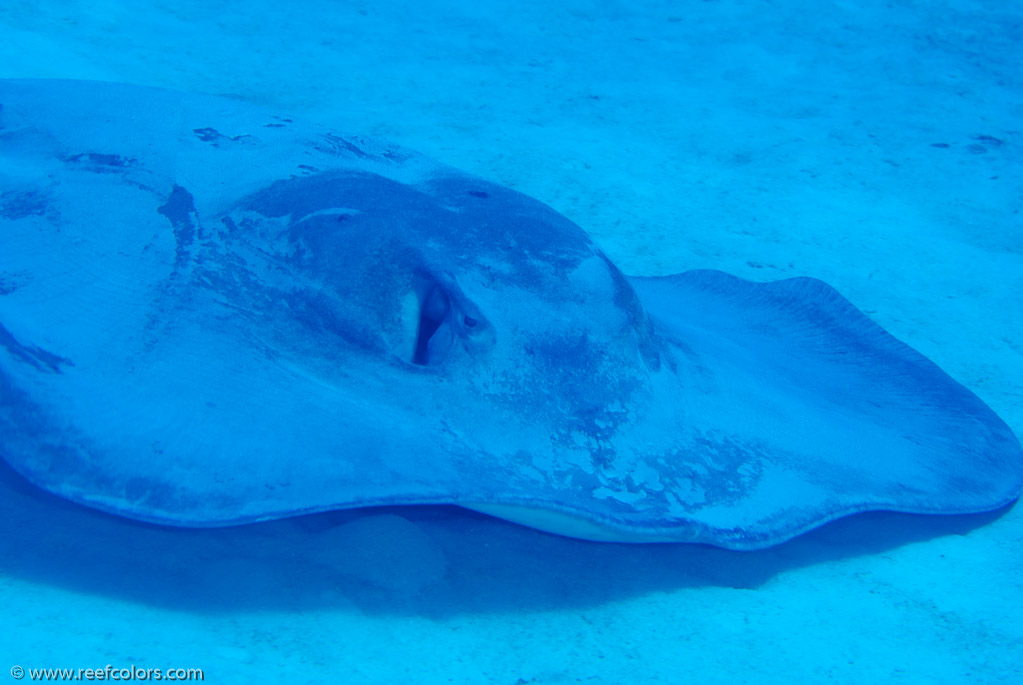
(434, 335)
(434, 316)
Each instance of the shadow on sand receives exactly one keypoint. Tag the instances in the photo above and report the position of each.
(431, 561)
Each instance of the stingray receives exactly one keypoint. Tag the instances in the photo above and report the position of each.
(213, 314)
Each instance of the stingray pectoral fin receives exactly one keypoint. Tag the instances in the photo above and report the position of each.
(568, 524)
(825, 397)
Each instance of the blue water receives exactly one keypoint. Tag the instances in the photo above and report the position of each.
(874, 145)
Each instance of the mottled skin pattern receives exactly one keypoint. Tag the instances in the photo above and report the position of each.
(211, 314)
